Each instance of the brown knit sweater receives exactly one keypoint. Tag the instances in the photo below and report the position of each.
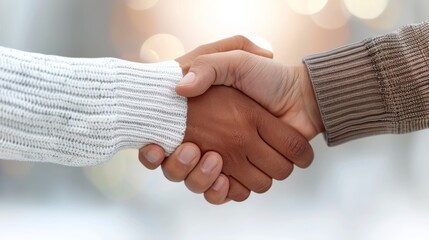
(380, 85)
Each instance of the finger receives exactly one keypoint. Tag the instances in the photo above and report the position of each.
(151, 156)
(228, 44)
(237, 42)
(248, 175)
(211, 69)
(205, 173)
(237, 192)
(179, 164)
(270, 161)
(217, 194)
(286, 140)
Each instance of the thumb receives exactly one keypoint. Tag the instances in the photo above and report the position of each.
(224, 45)
(210, 69)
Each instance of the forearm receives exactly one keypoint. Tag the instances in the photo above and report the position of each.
(380, 85)
(82, 111)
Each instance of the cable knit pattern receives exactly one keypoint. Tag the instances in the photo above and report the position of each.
(80, 112)
(380, 85)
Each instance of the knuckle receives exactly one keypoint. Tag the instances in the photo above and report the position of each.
(241, 40)
(246, 118)
(199, 61)
(244, 56)
(262, 186)
(305, 163)
(173, 176)
(249, 113)
(196, 186)
(284, 172)
(200, 48)
(205, 48)
(213, 198)
(296, 146)
(239, 196)
(238, 138)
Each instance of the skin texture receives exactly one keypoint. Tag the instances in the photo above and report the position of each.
(197, 180)
(254, 145)
(217, 187)
(285, 91)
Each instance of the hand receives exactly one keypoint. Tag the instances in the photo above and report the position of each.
(285, 91)
(255, 146)
(228, 44)
(182, 162)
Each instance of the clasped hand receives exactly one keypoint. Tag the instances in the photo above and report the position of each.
(245, 144)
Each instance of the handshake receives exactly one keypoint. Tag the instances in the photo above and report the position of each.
(241, 135)
(235, 138)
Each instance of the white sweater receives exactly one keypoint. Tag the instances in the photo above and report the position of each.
(80, 112)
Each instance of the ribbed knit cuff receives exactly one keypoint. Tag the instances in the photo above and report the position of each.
(148, 108)
(377, 86)
(348, 93)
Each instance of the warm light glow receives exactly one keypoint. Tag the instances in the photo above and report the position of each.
(161, 47)
(224, 18)
(141, 4)
(389, 19)
(120, 178)
(307, 6)
(149, 55)
(261, 42)
(231, 14)
(333, 16)
(366, 9)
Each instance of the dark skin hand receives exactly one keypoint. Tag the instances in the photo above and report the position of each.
(255, 146)
(202, 172)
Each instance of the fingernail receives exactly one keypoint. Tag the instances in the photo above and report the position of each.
(188, 79)
(217, 186)
(153, 156)
(187, 155)
(209, 164)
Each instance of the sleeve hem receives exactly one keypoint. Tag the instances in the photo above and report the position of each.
(348, 93)
(148, 108)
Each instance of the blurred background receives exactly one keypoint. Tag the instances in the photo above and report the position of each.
(373, 188)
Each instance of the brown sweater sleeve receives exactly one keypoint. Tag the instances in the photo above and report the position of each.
(377, 86)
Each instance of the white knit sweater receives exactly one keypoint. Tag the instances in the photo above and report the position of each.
(80, 112)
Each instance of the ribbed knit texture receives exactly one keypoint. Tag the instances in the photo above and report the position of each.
(380, 85)
(82, 111)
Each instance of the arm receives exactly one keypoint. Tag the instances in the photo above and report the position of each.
(82, 111)
(74, 103)
(377, 86)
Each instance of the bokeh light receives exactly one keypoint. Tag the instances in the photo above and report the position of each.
(121, 198)
(161, 47)
(224, 18)
(120, 178)
(366, 9)
(307, 7)
(333, 16)
(141, 4)
(390, 17)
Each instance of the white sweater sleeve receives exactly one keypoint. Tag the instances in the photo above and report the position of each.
(80, 112)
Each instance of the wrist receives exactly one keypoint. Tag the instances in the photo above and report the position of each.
(310, 100)
(147, 107)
